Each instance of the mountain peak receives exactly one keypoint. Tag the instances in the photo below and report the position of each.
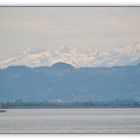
(62, 65)
(119, 56)
(64, 49)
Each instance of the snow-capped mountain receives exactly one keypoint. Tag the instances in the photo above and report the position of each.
(118, 56)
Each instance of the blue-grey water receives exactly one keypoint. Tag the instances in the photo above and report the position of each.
(70, 120)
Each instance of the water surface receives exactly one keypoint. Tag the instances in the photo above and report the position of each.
(95, 120)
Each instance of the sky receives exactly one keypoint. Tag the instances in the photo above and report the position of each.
(74, 27)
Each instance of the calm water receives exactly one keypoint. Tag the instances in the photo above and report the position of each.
(70, 121)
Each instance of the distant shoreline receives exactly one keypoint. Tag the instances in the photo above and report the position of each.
(67, 107)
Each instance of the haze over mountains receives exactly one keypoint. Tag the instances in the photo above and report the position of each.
(96, 77)
(64, 84)
(98, 57)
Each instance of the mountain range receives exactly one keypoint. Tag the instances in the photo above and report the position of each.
(97, 57)
(62, 83)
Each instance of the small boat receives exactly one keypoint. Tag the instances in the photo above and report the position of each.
(2, 108)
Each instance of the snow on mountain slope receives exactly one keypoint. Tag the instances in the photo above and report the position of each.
(119, 56)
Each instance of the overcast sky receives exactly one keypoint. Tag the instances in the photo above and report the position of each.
(75, 27)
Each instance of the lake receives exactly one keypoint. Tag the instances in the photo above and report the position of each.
(77, 120)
